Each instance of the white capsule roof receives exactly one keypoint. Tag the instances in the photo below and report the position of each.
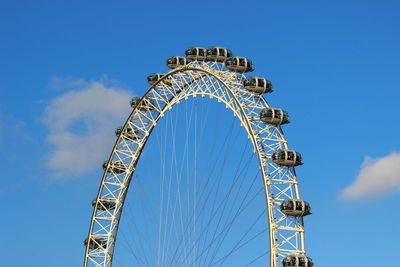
(295, 207)
(196, 53)
(155, 77)
(274, 116)
(257, 85)
(176, 61)
(219, 54)
(286, 157)
(297, 261)
(239, 64)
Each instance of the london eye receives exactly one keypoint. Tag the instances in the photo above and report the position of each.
(199, 219)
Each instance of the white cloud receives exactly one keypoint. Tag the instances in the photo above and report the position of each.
(81, 126)
(377, 177)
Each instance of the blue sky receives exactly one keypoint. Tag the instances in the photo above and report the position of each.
(334, 65)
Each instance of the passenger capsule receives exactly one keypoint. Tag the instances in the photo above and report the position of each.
(196, 53)
(219, 54)
(146, 104)
(155, 77)
(257, 85)
(117, 167)
(297, 261)
(174, 62)
(104, 203)
(286, 157)
(239, 64)
(295, 207)
(96, 242)
(274, 116)
(128, 133)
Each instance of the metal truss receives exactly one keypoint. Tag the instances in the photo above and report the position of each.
(205, 79)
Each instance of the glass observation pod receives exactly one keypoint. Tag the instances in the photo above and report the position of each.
(146, 104)
(219, 54)
(297, 261)
(104, 203)
(257, 85)
(129, 133)
(115, 166)
(239, 64)
(174, 62)
(295, 207)
(196, 53)
(155, 77)
(286, 157)
(274, 116)
(96, 242)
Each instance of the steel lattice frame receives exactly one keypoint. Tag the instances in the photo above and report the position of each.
(286, 234)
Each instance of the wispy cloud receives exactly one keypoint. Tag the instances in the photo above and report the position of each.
(63, 83)
(12, 128)
(377, 177)
(81, 126)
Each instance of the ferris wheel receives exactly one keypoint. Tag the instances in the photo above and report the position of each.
(213, 73)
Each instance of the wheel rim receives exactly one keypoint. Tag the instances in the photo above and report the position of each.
(286, 234)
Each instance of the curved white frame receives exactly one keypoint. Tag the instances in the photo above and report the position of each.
(286, 234)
